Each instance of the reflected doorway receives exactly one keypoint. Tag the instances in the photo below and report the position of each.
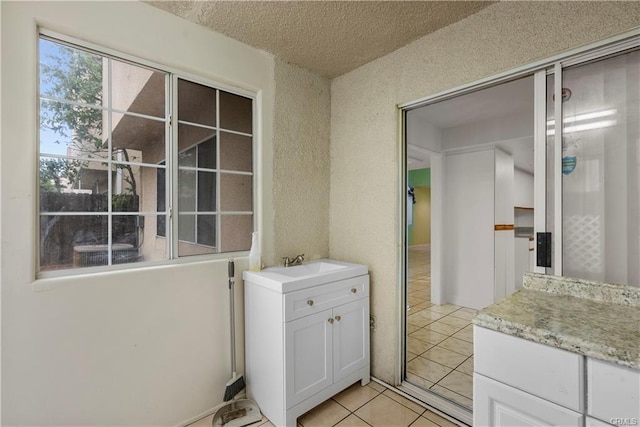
(470, 164)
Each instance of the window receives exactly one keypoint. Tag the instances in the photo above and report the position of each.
(114, 165)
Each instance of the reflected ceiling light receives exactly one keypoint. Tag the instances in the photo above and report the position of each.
(586, 116)
(586, 126)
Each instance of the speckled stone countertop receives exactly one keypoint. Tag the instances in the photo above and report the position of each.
(598, 320)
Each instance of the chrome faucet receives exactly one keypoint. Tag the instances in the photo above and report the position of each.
(290, 262)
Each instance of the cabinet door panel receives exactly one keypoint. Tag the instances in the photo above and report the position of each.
(351, 338)
(496, 404)
(308, 353)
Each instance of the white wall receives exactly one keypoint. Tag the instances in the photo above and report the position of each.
(523, 192)
(468, 276)
(364, 218)
(508, 127)
(138, 347)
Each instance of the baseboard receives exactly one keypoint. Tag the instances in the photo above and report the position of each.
(211, 411)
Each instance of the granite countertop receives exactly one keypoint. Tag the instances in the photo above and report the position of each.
(598, 320)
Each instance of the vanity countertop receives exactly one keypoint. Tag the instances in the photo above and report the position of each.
(595, 319)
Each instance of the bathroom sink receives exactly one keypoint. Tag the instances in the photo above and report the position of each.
(308, 269)
(312, 273)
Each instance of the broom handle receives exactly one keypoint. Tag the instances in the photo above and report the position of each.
(233, 316)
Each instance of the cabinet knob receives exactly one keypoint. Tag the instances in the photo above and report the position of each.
(354, 290)
(338, 318)
(331, 320)
(310, 302)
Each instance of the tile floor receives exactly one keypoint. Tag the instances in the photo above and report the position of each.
(440, 337)
(370, 406)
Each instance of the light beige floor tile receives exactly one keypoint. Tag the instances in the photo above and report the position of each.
(462, 315)
(352, 421)
(419, 321)
(465, 335)
(430, 315)
(444, 357)
(265, 424)
(377, 386)
(328, 413)
(444, 309)
(442, 328)
(428, 336)
(404, 401)
(442, 422)
(416, 346)
(468, 310)
(355, 396)
(424, 305)
(423, 422)
(419, 381)
(466, 367)
(454, 321)
(459, 383)
(466, 402)
(384, 411)
(428, 369)
(411, 356)
(458, 345)
(412, 328)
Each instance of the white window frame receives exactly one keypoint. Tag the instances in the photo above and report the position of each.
(171, 166)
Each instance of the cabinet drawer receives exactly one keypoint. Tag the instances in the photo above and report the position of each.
(613, 391)
(547, 372)
(313, 300)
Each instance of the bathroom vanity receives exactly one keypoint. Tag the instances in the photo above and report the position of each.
(306, 335)
(560, 352)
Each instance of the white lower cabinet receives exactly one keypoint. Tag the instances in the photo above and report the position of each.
(497, 404)
(305, 346)
(523, 383)
(324, 348)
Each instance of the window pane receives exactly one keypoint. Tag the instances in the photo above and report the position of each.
(207, 154)
(196, 103)
(135, 188)
(235, 232)
(187, 227)
(161, 197)
(72, 186)
(153, 246)
(71, 74)
(70, 130)
(137, 89)
(236, 193)
(236, 152)
(186, 190)
(135, 139)
(187, 158)
(63, 241)
(235, 112)
(206, 191)
(207, 230)
(190, 136)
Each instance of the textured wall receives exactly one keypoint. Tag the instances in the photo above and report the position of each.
(364, 126)
(300, 163)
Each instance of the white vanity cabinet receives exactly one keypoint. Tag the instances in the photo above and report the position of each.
(304, 344)
(524, 383)
(520, 382)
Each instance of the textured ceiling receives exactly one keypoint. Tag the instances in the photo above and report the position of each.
(328, 37)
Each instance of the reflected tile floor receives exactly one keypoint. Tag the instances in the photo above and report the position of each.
(370, 406)
(440, 337)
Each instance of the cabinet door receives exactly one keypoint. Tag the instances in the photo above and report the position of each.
(351, 338)
(308, 354)
(496, 404)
